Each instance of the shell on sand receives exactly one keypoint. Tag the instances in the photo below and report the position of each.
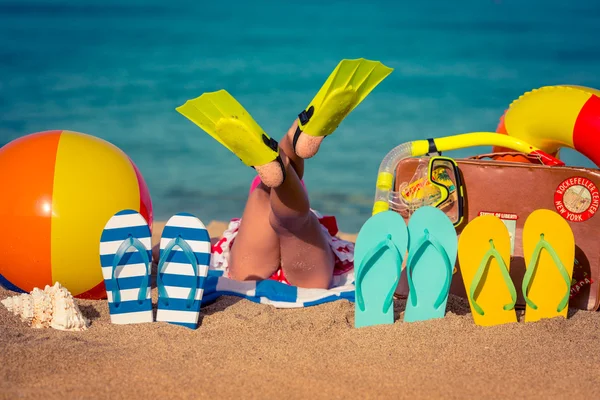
(53, 307)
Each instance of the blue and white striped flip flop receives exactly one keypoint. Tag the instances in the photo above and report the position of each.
(126, 256)
(184, 260)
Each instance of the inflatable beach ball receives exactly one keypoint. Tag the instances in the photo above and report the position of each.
(59, 188)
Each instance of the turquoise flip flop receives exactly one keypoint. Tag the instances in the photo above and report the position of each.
(378, 254)
(430, 264)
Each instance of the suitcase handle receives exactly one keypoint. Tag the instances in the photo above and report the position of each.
(510, 156)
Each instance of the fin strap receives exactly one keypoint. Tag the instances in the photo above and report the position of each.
(121, 251)
(189, 253)
(296, 137)
(303, 119)
(306, 115)
(410, 265)
(280, 161)
(543, 244)
(274, 145)
(270, 143)
(483, 265)
(368, 261)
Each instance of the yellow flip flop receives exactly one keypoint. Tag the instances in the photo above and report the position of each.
(549, 251)
(484, 259)
(221, 116)
(345, 88)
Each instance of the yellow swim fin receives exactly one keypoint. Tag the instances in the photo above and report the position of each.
(227, 121)
(349, 83)
(484, 258)
(549, 251)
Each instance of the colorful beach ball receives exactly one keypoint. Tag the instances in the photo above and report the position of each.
(59, 188)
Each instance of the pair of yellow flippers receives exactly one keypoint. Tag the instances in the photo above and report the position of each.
(484, 258)
(226, 120)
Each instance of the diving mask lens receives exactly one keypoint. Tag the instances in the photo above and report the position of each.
(444, 174)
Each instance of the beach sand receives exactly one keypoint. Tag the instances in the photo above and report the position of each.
(246, 350)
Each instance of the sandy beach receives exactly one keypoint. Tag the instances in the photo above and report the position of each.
(246, 350)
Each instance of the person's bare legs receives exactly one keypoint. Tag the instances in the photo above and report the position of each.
(306, 256)
(279, 229)
(255, 251)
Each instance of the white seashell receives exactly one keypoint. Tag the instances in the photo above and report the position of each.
(42, 309)
(21, 305)
(66, 315)
(52, 307)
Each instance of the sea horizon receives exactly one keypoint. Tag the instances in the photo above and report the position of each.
(118, 69)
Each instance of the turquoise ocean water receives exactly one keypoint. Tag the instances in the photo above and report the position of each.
(117, 70)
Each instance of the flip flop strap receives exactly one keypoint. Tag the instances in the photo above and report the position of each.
(121, 251)
(189, 253)
(388, 244)
(543, 244)
(428, 238)
(483, 265)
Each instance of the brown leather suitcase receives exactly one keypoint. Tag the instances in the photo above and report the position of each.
(511, 191)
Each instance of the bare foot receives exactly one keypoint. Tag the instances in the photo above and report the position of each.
(272, 174)
(305, 146)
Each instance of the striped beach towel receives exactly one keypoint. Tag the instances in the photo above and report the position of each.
(277, 294)
(277, 291)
